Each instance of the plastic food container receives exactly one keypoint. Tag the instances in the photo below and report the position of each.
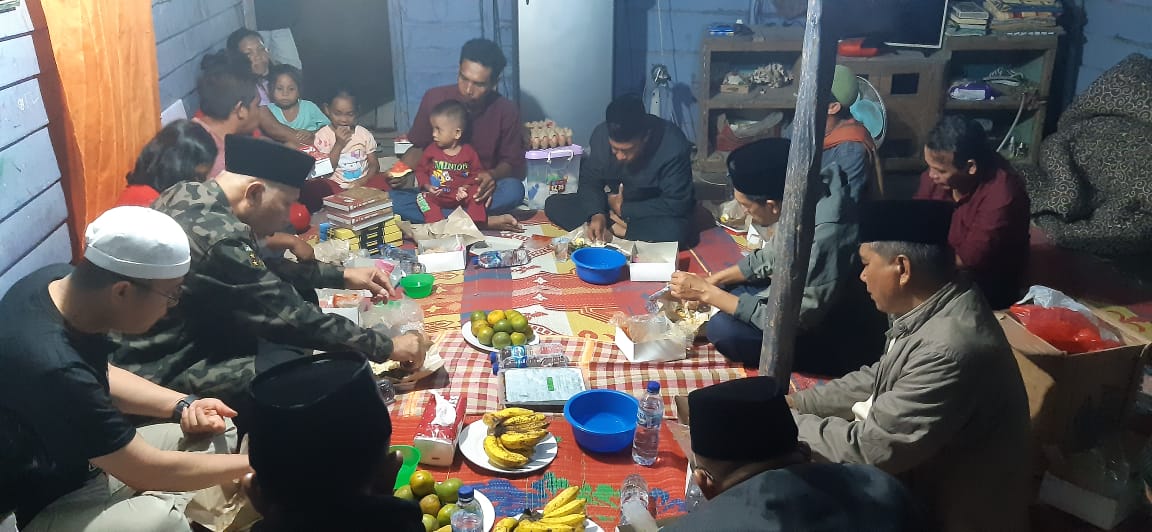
(418, 285)
(599, 265)
(411, 458)
(603, 421)
(551, 171)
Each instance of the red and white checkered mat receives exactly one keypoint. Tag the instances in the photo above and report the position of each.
(467, 372)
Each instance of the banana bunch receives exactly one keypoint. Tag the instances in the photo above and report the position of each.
(564, 513)
(512, 436)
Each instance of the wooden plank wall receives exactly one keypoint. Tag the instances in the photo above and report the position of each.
(32, 208)
(186, 30)
(1116, 28)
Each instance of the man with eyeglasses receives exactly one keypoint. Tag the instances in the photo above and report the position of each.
(495, 133)
(242, 314)
(69, 457)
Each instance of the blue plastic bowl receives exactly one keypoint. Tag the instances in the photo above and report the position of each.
(603, 421)
(599, 265)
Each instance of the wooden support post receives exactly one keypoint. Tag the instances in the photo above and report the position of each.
(793, 242)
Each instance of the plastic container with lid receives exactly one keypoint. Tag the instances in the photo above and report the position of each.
(551, 171)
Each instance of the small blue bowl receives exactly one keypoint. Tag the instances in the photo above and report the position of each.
(599, 265)
(603, 421)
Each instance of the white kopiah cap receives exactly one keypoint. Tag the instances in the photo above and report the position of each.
(138, 242)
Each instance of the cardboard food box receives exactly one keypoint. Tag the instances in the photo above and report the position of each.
(667, 350)
(1073, 397)
(441, 254)
(653, 261)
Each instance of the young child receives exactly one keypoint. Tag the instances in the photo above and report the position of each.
(286, 104)
(181, 151)
(351, 148)
(447, 171)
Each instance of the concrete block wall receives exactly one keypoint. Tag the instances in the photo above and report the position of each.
(186, 30)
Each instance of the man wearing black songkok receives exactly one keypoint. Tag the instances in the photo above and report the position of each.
(839, 330)
(239, 314)
(319, 448)
(757, 476)
(945, 408)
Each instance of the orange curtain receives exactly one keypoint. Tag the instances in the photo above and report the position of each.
(102, 91)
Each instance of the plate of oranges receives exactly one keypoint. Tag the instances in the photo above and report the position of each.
(497, 329)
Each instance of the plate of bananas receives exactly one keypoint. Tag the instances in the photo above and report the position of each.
(564, 513)
(512, 440)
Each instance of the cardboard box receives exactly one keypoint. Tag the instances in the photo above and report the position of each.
(441, 254)
(655, 351)
(1073, 397)
(653, 261)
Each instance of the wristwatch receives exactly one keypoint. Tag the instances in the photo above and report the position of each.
(178, 410)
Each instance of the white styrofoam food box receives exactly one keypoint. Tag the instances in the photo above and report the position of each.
(653, 261)
(655, 351)
(1099, 510)
(441, 254)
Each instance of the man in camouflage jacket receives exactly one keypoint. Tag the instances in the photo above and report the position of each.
(238, 314)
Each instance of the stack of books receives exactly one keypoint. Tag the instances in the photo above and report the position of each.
(967, 19)
(1023, 17)
(358, 208)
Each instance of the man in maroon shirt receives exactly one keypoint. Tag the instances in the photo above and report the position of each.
(495, 134)
(991, 221)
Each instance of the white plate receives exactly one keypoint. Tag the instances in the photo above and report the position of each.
(589, 525)
(472, 447)
(466, 330)
(487, 511)
(495, 243)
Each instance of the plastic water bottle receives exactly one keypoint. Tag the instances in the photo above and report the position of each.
(467, 517)
(634, 503)
(692, 495)
(550, 355)
(503, 259)
(648, 418)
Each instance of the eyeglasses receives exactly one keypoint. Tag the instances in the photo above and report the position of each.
(173, 298)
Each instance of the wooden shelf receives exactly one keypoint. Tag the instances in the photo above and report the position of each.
(1003, 103)
(1000, 42)
(782, 98)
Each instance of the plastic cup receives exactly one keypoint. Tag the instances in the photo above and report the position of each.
(411, 458)
(560, 247)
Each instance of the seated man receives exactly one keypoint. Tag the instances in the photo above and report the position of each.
(228, 102)
(240, 315)
(944, 409)
(645, 164)
(840, 329)
(71, 460)
(847, 142)
(991, 223)
(756, 476)
(327, 408)
(495, 134)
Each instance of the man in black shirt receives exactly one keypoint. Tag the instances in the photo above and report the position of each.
(328, 408)
(645, 163)
(72, 461)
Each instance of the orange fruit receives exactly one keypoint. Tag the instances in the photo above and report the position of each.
(422, 483)
(485, 335)
(502, 326)
(479, 315)
(430, 504)
(501, 340)
(495, 316)
(519, 323)
(518, 338)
